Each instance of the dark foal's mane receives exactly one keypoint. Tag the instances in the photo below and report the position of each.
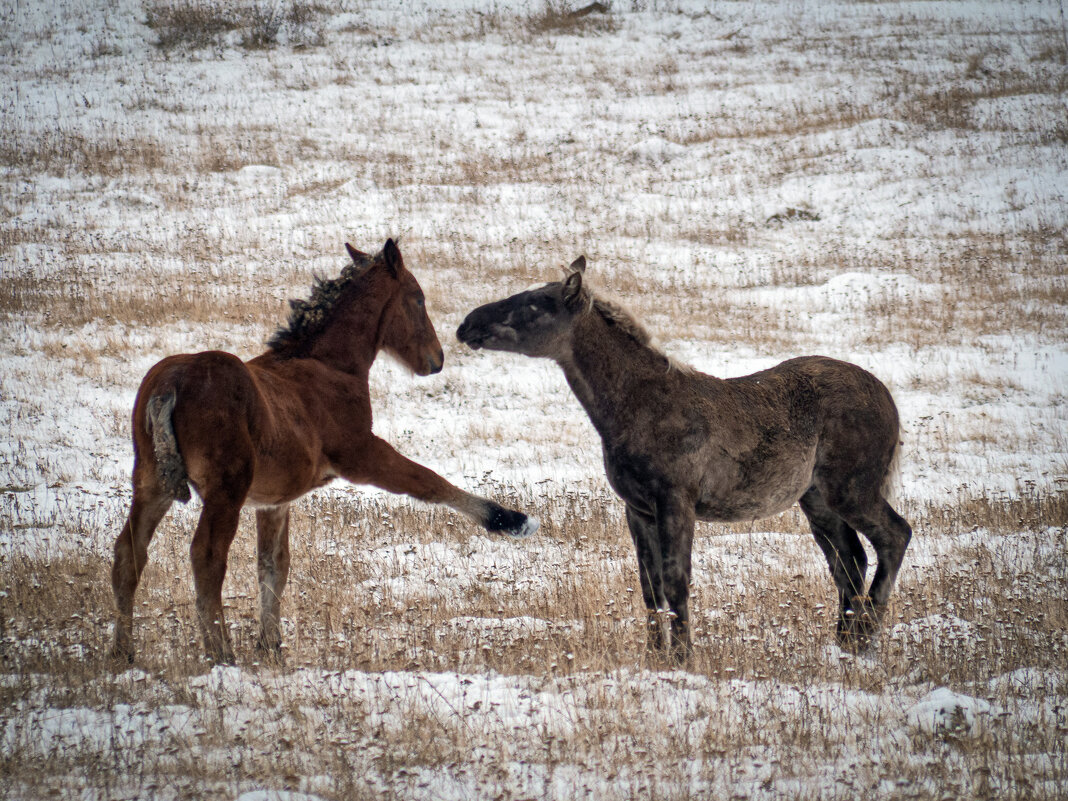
(619, 317)
(308, 317)
(622, 319)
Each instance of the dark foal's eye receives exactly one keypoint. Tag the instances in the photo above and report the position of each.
(420, 302)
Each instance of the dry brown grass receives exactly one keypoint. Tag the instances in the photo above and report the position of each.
(107, 152)
(195, 24)
(579, 18)
(75, 298)
(371, 589)
(56, 616)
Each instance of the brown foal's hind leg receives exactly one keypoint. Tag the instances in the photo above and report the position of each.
(209, 550)
(272, 551)
(150, 504)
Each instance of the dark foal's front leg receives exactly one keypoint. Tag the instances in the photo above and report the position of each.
(675, 519)
(647, 545)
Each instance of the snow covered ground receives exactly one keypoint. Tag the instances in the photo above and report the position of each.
(880, 182)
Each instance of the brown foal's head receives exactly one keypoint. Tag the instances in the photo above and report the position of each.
(405, 331)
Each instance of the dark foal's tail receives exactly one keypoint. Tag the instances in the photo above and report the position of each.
(169, 464)
(891, 485)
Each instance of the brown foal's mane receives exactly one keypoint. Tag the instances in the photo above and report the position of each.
(308, 317)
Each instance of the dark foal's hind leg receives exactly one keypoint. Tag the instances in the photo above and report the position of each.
(150, 504)
(889, 535)
(272, 549)
(647, 546)
(845, 557)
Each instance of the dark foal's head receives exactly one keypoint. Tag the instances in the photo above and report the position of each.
(534, 323)
(405, 331)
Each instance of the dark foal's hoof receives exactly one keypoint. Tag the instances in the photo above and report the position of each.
(858, 627)
(680, 654)
(270, 654)
(120, 657)
(511, 523)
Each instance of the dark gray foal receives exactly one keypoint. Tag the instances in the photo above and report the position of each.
(681, 446)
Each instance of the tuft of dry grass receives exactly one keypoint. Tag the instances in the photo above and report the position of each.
(196, 24)
(190, 23)
(59, 152)
(573, 18)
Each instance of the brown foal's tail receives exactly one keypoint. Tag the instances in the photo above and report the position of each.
(169, 464)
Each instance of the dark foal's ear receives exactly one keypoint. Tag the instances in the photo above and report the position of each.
(359, 257)
(573, 289)
(577, 266)
(393, 256)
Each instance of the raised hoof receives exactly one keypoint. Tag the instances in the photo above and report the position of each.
(511, 523)
(528, 527)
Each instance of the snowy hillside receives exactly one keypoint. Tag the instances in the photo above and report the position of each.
(885, 183)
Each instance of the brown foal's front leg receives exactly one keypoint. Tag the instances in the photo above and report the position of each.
(382, 466)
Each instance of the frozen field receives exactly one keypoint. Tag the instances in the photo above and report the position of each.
(885, 183)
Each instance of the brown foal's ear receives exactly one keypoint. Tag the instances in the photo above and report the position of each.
(356, 255)
(393, 256)
(578, 265)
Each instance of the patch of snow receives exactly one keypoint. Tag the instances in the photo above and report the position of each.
(943, 711)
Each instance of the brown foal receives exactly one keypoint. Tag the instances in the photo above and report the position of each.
(263, 433)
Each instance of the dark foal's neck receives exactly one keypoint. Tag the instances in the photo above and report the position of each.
(609, 370)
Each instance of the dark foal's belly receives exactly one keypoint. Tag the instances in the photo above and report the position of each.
(742, 510)
(725, 496)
